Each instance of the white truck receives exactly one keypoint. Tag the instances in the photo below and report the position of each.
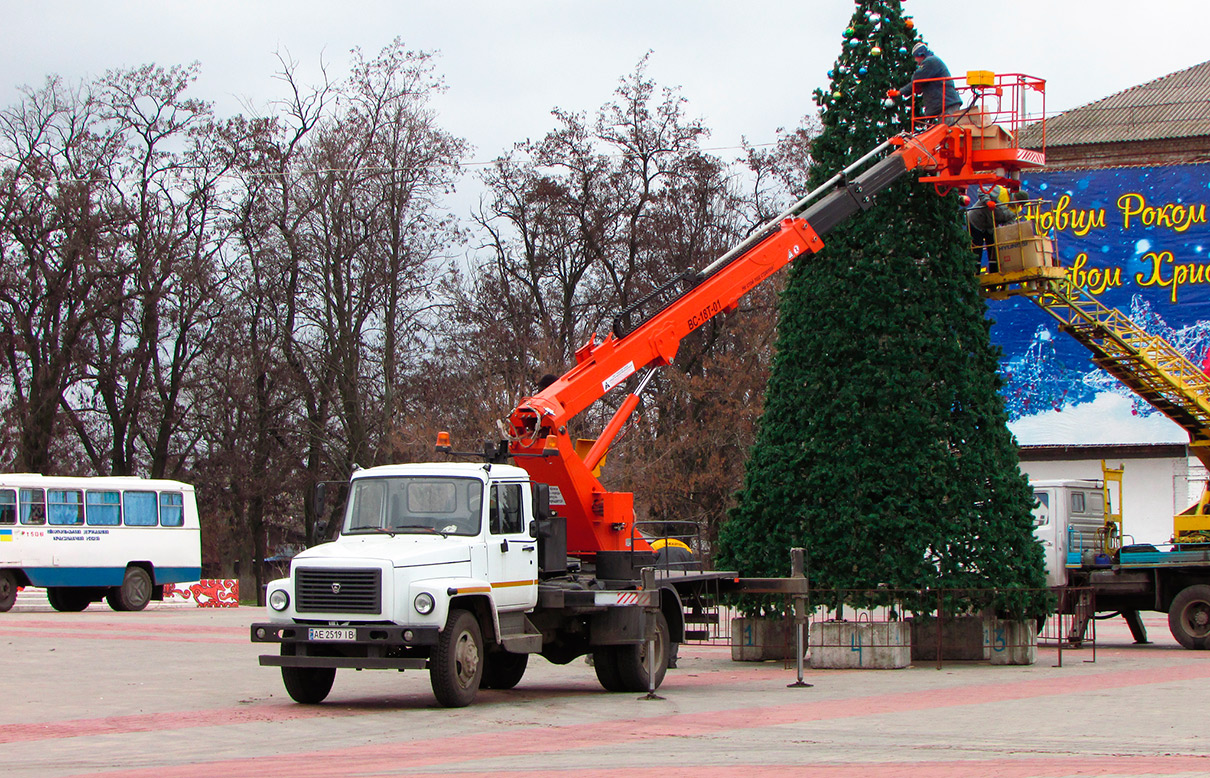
(461, 568)
(1078, 523)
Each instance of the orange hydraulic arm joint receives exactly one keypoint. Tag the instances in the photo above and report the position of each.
(602, 521)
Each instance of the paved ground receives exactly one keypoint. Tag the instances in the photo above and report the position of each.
(178, 692)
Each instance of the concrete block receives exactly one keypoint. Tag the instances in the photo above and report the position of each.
(1012, 642)
(866, 645)
(759, 640)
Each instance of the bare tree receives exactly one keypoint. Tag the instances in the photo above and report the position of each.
(576, 227)
(58, 277)
(165, 192)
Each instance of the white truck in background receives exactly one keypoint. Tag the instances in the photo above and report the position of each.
(1094, 569)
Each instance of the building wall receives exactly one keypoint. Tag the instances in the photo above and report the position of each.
(1173, 151)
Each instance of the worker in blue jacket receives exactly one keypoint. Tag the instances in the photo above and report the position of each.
(934, 95)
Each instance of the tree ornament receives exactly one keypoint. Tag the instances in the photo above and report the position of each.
(888, 103)
(903, 49)
(854, 43)
(861, 71)
(876, 51)
(907, 22)
(848, 32)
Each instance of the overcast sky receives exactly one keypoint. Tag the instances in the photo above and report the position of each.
(747, 67)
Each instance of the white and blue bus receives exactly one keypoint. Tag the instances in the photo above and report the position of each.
(85, 539)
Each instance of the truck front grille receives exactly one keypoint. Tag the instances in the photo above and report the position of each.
(323, 590)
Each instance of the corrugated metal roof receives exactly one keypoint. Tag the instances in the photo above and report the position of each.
(1172, 106)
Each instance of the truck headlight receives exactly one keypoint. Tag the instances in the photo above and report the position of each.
(424, 603)
(279, 599)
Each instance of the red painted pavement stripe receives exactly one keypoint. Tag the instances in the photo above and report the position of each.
(1032, 767)
(387, 758)
(184, 637)
(126, 626)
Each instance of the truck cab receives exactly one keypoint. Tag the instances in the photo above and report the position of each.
(412, 533)
(1069, 518)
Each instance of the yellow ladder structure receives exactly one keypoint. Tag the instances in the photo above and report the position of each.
(1147, 364)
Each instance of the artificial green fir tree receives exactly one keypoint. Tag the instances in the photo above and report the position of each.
(883, 448)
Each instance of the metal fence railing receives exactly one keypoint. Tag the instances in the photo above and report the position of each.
(972, 626)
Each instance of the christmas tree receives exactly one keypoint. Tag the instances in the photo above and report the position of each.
(883, 448)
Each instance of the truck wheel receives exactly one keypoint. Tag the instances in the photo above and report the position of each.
(67, 599)
(308, 685)
(456, 668)
(8, 590)
(632, 660)
(605, 662)
(1189, 617)
(133, 594)
(503, 670)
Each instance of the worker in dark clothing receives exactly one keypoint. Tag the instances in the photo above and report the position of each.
(934, 95)
(989, 211)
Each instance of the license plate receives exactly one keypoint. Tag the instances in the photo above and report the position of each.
(331, 633)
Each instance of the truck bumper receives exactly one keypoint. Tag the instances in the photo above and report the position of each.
(373, 647)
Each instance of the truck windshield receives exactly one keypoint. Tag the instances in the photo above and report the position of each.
(425, 504)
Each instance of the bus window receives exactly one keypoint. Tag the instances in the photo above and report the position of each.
(172, 509)
(33, 506)
(8, 506)
(64, 506)
(139, 509)
(104, 509)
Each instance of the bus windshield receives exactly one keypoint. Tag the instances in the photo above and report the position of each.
(449, 506)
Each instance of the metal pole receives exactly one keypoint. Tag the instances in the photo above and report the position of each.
(797, 570)
(650, 613)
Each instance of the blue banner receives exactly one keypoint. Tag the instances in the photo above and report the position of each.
(1137, 239)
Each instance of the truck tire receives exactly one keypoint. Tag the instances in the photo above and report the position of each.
(68, 599)
(8, 590)
(456, 669)
(605, 662)
(632, 660)
(308, 685)
(503, 670)
(133, 594)
(1189, 617)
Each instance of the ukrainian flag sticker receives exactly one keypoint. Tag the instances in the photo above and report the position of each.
(6, 536)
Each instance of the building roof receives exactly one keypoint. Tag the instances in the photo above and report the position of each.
(1172, 106)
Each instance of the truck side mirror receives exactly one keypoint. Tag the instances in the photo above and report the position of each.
(541, 494)
(321, 493)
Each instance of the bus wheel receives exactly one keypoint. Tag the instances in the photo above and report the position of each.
(1189, 617)
(8, 590)
(308, 685)
(133, 594)
(67, 599)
